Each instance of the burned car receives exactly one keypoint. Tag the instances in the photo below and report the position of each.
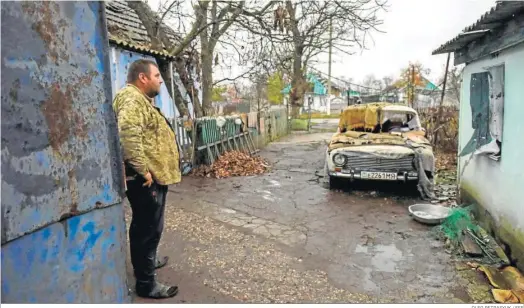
(380, 141)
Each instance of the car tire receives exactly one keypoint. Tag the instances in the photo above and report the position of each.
(335, 182)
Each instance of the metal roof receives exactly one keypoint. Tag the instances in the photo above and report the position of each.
(500, 13)
(125, 29)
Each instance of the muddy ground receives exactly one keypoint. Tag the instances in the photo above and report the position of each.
(284, 237)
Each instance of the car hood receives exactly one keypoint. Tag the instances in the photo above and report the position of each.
(412, 139)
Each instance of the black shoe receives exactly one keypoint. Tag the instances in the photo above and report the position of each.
(161, 263)
(155, 290)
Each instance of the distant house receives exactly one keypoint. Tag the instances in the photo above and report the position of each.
(491, 147)
(129, 41)
(426, 95)
(317, 93)
(315, 96)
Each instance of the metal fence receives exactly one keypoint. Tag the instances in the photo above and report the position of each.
(213, 136)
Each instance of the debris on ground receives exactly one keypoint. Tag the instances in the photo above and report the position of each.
(464, 237)
(446, 178)
(507, 282)
(446, 161)
(482, 253)
(233, 163)
(471, 248)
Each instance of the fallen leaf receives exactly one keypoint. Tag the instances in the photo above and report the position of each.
(233, 163)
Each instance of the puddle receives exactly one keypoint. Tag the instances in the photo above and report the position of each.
(361, 249)
(268, 198)
(367, 282)
(386, 257)
(274, 183)
(229, 211)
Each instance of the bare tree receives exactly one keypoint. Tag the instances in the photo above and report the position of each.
(304, 25)
(387, 81)
(454, 83)
(166, 40)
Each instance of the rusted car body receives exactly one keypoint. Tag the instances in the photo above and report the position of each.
(379, 141)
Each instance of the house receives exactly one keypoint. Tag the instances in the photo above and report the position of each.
(315, 96)
(317, 93)
(427, 94)
(491, 159)
(129, 41)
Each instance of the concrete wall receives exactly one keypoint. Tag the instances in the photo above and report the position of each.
(497, 186)
(63, 232)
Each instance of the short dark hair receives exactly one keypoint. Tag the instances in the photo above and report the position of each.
(138, 67)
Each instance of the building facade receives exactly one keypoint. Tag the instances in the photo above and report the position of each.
(491, 148)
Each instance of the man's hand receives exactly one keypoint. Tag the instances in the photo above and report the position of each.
(149, 179)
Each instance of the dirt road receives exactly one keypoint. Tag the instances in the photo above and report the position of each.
(285, 237)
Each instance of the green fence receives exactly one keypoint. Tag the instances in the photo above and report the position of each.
(216, 135)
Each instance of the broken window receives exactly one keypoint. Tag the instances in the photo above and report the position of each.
(487, 108)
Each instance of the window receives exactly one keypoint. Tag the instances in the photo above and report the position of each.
(487, 108)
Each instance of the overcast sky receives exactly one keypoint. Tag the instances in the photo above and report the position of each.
(413, 29)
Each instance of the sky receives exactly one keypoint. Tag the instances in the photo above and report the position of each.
(412, 30)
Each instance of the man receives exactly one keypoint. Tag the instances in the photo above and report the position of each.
(151, 163)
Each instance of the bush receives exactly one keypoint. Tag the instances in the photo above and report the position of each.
(298, 124)
(318, 115)
(448, 132)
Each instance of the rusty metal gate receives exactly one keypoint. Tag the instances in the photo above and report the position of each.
(63, 229)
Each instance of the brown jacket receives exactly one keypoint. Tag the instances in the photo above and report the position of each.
(148, 141)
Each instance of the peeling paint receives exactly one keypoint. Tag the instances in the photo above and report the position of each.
(62, 216)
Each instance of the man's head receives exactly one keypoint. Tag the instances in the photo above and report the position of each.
(144, 74)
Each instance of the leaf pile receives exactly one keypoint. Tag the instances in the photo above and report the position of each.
(446, 161)
(233, 163)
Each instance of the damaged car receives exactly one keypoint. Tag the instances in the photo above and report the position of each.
(381, 142)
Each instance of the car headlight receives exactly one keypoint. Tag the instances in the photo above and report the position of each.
(339, 159)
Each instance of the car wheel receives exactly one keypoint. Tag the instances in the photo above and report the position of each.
(335, 182)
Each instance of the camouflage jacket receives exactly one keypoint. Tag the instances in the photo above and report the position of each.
(148, 141)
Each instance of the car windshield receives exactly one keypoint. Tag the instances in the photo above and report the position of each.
(400, 121)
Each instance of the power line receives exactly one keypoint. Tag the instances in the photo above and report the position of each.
(345, 81)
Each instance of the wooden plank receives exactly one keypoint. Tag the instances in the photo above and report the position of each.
(252, 143)
(509, 35)
(471, 248)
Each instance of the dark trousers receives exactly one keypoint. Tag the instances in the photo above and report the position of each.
(147, 223)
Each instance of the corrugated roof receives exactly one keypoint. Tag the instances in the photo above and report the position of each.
(501, 12)
(126, 30)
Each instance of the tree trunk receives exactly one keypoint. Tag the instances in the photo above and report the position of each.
(207, 79)
(298, 83)
(180, 104)
(148, 19)
(189, 85)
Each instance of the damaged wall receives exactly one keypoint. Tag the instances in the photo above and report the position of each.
(63, 227)
(492, 106)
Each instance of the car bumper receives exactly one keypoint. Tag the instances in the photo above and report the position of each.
(356, 175)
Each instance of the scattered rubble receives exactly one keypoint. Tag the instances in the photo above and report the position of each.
(233, 163)
(446, 178)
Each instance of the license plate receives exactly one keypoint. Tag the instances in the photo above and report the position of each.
(390, 176)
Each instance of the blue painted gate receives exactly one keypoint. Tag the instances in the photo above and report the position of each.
(63, 230)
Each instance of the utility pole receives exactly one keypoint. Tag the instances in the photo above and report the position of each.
(412, 98)
(329, 68)
(440, 107)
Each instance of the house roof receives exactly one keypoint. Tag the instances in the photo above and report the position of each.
(501, 12)
(125, 29)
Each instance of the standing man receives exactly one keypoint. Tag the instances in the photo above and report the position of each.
(151, 163)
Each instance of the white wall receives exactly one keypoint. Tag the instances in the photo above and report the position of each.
(498, 186)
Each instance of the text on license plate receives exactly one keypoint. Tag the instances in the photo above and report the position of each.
(378, 175)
